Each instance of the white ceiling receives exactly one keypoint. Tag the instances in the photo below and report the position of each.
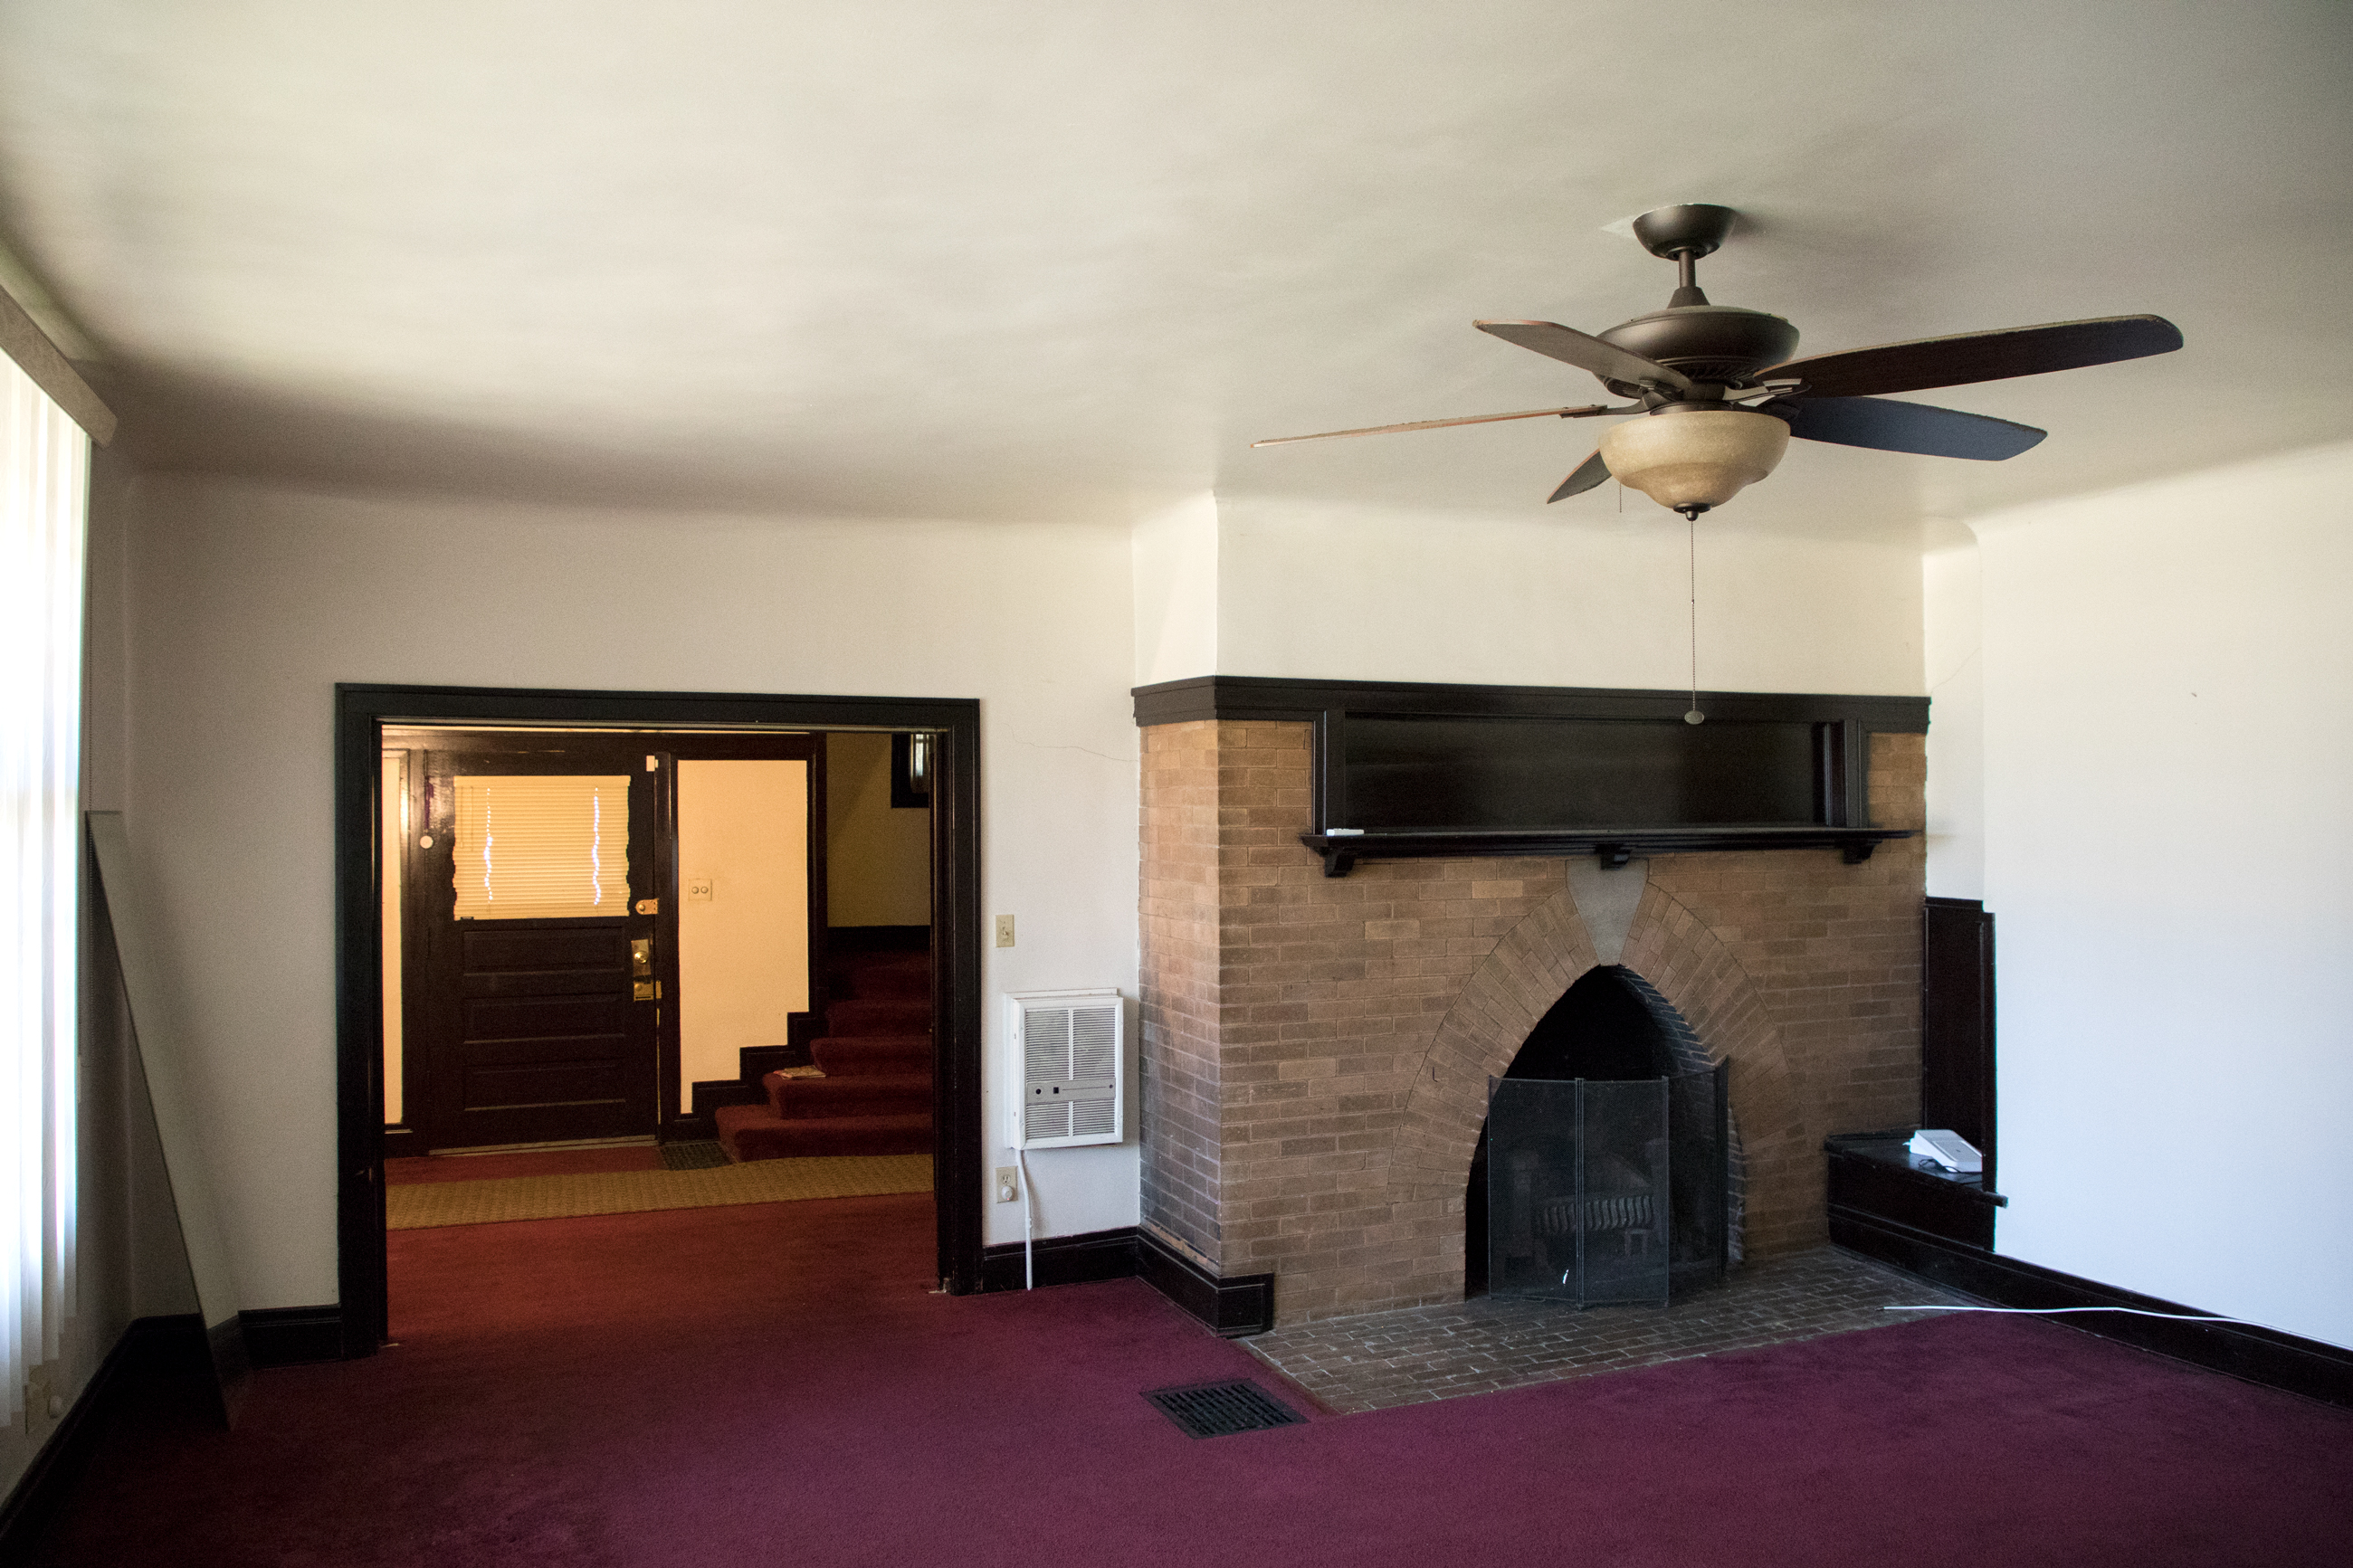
(1061, 259)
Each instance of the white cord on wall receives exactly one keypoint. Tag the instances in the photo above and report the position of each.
(1028, 1243)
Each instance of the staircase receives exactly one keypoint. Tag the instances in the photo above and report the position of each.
(876, 1054)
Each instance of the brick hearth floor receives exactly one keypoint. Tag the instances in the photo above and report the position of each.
(1420, 1353)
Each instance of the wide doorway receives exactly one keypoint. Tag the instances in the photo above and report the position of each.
(608, 932)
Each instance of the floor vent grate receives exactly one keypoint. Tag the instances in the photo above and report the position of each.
(1219, 1409)
(705, 1155)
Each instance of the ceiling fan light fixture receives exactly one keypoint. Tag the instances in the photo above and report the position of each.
(1694, 457)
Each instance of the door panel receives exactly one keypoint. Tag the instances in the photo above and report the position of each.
(536, 1033)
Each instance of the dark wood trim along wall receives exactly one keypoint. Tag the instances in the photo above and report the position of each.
(1956, 1023)
(2269, 1356)
(1257, 697)
(362, 709)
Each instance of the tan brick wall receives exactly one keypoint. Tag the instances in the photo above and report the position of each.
(1317, 1049)
(1179, 1011)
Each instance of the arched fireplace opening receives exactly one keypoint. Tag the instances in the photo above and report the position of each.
(1636, 1160)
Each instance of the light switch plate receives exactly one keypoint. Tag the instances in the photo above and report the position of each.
(698, 889)
(1004, 930)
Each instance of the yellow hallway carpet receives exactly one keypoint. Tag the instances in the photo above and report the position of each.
(423, 1206)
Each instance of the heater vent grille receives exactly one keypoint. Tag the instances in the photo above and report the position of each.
(1071, 1084)
(1220, 1409)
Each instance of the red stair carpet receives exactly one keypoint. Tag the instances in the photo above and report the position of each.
(772, 1384)
(876, 1094)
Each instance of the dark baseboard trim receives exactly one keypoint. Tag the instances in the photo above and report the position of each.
(149, 1347)
(1258, 697)
(710, 1094)
(1232, 1307)
(402, 1142)
(2267, 1356)
(293, 1336)
(1064, 1259)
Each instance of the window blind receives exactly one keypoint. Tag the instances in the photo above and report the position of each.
(44, 482)
(542, 847)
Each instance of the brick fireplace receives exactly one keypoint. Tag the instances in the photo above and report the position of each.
(1316, 1049)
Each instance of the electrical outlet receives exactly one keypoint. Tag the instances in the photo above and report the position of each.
(1009, 1184)
(1004, 930)
(698, 889)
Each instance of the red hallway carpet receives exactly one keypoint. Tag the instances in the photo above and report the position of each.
(772, 1384)
(496, 1167)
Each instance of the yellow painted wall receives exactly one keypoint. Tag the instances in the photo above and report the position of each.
(743, 953)
(878, 869)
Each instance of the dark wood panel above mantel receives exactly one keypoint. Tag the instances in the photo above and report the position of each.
(1261, 697)
(1412, 770)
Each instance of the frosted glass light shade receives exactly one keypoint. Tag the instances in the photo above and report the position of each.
(1696, 458)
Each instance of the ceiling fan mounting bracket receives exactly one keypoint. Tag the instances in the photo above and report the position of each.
(1691, 230)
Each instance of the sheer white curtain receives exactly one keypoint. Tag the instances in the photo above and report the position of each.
(44, 488)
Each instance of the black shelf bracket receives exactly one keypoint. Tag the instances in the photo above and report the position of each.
(1341, 852)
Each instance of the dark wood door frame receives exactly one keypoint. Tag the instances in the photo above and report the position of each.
(361, 711)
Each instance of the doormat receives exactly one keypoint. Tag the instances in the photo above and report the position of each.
(1219, 1409)
(426, 1205)
(704, 1154)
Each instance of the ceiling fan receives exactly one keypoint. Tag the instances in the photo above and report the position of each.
(1720, 397)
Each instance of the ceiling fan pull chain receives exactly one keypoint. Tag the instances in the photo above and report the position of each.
(1691, 524)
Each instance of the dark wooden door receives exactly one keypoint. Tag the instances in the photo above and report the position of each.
(537, 1030)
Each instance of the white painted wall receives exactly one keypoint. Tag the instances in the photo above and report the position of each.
(2169, 855)
(249, 602)
(1345, 591)
(1175, 567)
(742, 951)
(1952, 618)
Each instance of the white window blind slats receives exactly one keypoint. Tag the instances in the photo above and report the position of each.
(542, 847)
(44, 484)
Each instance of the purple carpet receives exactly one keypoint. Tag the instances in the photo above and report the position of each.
(772, 1384)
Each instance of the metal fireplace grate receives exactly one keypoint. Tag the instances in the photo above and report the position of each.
(1220, 1409)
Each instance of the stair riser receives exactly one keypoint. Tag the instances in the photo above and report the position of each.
(888, 1104)
(750, 1132)
(878, 1055)
(850, 1020)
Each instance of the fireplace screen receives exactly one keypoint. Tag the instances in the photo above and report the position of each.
(1606, 1192)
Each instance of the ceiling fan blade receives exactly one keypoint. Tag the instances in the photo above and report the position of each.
(1890, 426)
(1583, 411)
(1979, 356)
(1590, 473)
(1586, 352)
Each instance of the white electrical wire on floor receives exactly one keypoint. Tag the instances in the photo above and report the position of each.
(1028, 1244)
(2053, 1311)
